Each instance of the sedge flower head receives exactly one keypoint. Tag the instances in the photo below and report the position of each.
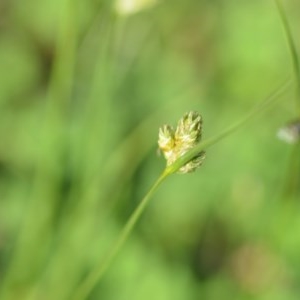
(175, 143)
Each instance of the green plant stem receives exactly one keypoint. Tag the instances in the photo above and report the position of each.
(93, 278)
(181, 161)
(292, 49)
(290, 188)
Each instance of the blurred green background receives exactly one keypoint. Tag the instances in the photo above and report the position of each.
(84, 87)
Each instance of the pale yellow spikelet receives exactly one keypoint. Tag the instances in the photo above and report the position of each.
(186, 136)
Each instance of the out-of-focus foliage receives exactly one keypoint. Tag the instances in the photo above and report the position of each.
(84, 88)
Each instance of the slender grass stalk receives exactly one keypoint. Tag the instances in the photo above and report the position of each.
(87, 286)
(181, 161)
(292, 175)
(292, 49)
(84, 290)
